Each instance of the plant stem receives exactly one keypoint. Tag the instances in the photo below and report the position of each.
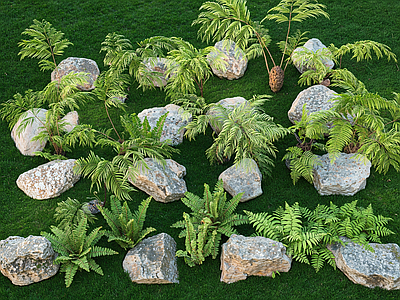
(287, 36)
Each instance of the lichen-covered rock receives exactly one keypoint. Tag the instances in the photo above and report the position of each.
(27, 260)
(313, 45)
(23, 140)
(76, 65)
(242, 179)
(173, 127)
(70, 120)
(236, 61)
(153, 260)
(346, 176)
(380, 268)
(245, 256)
(316, 98)
(48, 180)
(158, 66)
(164, 184)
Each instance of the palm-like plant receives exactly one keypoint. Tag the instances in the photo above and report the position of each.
(126, 227)
(76, 248)
(230, 19)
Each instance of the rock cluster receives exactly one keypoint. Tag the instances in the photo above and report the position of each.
(27, 260)
(346, 176)
(380, 268)
(153, 261)
(48, 180)
(236, 61)
(245, 256)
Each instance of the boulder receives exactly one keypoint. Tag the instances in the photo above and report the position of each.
(27, 260)
(245, 256)
(241, 179)
(313, 45)
(49, 180)
(153, 260)
(316, 98)
(158, 66)
(71, 120)
(23, 140)
(346, 176)
(236, 61)
(379, 268)
(76, 64)
(164, 184)
(173, 127)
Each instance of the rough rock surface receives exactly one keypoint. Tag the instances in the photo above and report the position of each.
(159, 65)
(23, 141)
(380, 268)
(245, 256)
(164, 184)
(27, 260)
(238, 179)
(346, 176)
(313, 45)
(71, 120)
(153, 260)
(316, 98)
(48, 180)
(174, 123)
(235, 58)
(76, 64)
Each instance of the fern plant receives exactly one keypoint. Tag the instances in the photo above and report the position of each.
(230, 20)
(215, 211)
(126, 227)
(306, 233)
(71, 211)
(76, 248)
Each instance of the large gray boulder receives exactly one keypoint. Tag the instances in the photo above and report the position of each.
(380, 268)
(76, 65)
(316, 98)
(164, 184)
(173, 127)
(244, 178)
(236, 61)
(27, 260)
(346, 176)
(245, 256)
(313, 45)
(49, 180)
(153, 261)
(23, 140)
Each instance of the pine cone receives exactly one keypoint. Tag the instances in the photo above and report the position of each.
(276, 76)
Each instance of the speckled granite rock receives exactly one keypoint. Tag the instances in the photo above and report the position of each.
(157, 65)
(48, 180)
(173, 127)
(76, 65)
(346, 176)
(316, 98)
(164, 184)
(235, 58)
(27, 260)
(311, 45)
(372, 269)
(245, 256)
(238, 179)
(153, 261)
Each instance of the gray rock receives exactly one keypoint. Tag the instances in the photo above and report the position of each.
(158, 66)
(27, 260)
(164, 184)
(173, 127)
(49, 180)
(71, 120)
(372, 269)
(153, 261)
(239, 179)
(245, 256)
(23, 140)
(346, 176)
(316, 98)
(235, 59)
(313, 45)
(76, 64)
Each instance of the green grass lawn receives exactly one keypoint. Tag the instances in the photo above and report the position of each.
(85, 24)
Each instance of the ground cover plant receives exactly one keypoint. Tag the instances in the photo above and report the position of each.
(86, 25)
